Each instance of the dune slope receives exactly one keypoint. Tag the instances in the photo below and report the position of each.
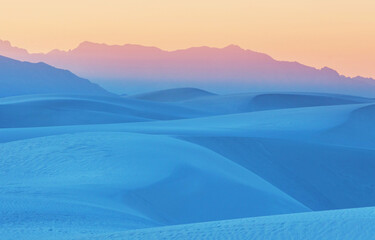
(345, 224)
(125, 181)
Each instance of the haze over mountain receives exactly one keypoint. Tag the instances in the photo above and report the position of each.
(20, 78)
(132, 68)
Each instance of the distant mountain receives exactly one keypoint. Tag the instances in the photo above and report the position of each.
(231, 69)
(20, 78)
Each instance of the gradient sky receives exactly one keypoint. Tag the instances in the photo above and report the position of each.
(335, 33)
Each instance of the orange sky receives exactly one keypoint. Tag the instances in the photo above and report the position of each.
(335, 33)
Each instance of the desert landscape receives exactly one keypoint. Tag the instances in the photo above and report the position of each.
(80, 162)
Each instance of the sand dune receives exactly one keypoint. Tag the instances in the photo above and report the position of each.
(173, 95)
(76, 167)
(249, 102)
(58, 110)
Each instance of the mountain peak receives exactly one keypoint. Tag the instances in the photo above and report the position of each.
(87, 44)
(233, 47)
(5, 43)
(329, 71)
(6, 49)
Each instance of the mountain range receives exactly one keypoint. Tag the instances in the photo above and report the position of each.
(135, 68)
(24, 78)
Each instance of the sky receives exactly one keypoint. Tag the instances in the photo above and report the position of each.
(336, 33)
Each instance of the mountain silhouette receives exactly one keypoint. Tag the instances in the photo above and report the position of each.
(229, 69)
(20, 78)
